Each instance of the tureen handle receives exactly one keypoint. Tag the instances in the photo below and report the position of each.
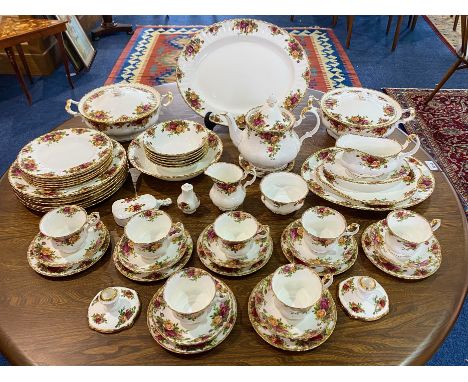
(68, 107)
(412, 115)
(411, 138)
(169, 97)
(252, 172)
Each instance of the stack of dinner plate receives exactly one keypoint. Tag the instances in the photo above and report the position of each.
(70, 166)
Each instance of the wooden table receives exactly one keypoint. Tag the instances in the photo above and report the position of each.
(43, 321)
(14, 31)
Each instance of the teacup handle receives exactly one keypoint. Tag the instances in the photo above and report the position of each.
(351, 229)
(92, 220)
(435, 224)
(263, 231)
(412, 115)
(248, 183)
(327, 280)
(68, 107)
(411, 138)
(177, 230)
(169, 97)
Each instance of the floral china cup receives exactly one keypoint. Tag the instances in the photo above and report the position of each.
(283, 192)
(228, 192)
(189, 293)
(151, 231)
(323, 227)
(269, 141)
(371, 157)
(297, 289)
(407, 230)
(68, 226)
(124, 209)
(236, 230)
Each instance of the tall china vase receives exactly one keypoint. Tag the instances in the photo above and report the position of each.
(228, 192)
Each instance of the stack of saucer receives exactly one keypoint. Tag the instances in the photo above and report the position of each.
(292, 308)
(403, 245)
(69, 242)
(321, 240)
(152, 247)
(235, 244)
(72, 166)
(192, 313)
(368, 173)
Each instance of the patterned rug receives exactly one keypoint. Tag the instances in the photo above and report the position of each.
(443, 26)
(150, 56)
(442, 127)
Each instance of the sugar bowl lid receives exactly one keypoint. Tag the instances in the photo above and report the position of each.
(270, 117)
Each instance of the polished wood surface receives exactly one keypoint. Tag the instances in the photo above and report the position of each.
(43, 321)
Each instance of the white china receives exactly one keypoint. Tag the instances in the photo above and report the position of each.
(269, 141)
(113, 309)
(228, 192)
(151, 232)
(124, 209)
(335, 129)
(407, 230)
(120, 110)
(283, 192)
(234, 65)
(189, 293)
(296, 289)
(363, 298)
(323, 227)
(261, 172)
(188, 201)
(235, 230)
(67, 227)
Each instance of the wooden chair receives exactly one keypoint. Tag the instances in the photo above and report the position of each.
(462, 58)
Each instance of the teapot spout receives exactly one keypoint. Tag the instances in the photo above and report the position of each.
(234, 131)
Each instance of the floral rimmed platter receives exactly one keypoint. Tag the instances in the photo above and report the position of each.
(335, 262)
(117, 316)
(45, 252)
(425, 264)
(206, 257)
(64, 153)
(285, 343)
(67, 270)
(133, 261)
(425, 187)
(235, 65)
(221, 335)
(138, 158)
(157, 275)
(363, 298)
(246, 166)
(181, 333)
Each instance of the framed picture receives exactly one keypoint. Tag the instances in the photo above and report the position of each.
(78, 39)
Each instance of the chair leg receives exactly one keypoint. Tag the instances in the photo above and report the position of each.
(19, 48)
(410, 19)
(452, 69)
(59, 38)
(334, 21)
(455, 23)
(389, 24)
(397, 32)
(19, 75)
(349, 23)
(291, 18)
(413, 23)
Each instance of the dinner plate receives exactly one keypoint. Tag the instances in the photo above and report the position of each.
(235, 65)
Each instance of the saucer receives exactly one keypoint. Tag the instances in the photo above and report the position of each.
(67, 270)
(157, 275)
(206, 257)
(259, 249)
(181, 333)
(367, 308)
(335, 262)
(261, 172)
(120, 316)
(429, 260)
(197, 348)
(281, 342)
(313, 323)
(133, 261)
(49, 256)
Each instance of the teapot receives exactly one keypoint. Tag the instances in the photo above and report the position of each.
(269, 141)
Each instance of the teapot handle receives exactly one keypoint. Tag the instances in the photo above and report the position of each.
(309, 134)
(209, 124)
(249, 182)
(306, 109)
(169, 97)
(411, 138)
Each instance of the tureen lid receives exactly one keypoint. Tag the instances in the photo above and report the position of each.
(122, 102)
(270, 117)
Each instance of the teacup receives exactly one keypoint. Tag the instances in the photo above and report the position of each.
(151, 231)
(407, 230)
(371, 156)
(297, 288)
(323, 227)
(189, 293)
(283, 192)
(235, 230)
(67, 227)
(108, 297)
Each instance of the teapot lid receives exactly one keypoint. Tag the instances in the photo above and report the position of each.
(270, 117)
